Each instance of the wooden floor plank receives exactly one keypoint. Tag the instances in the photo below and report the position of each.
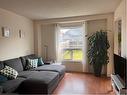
(83, 84)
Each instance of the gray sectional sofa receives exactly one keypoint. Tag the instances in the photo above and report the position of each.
(41, 80)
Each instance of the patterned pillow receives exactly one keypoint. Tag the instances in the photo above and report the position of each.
(31, 63)
(9, 72)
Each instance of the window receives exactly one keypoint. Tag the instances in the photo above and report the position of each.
(71, 43)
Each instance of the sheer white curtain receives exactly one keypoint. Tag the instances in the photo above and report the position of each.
(85, 46)
(59, 51)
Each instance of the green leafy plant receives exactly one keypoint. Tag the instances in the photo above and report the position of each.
(98, 50)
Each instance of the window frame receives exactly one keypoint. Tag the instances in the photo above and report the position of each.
(72, 59)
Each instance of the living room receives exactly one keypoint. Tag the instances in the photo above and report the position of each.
(48, 29)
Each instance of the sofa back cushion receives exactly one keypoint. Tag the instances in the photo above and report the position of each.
(24, 59)
(15, 64)
(32, 56)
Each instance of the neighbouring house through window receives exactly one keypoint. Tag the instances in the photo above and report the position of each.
(70, 43)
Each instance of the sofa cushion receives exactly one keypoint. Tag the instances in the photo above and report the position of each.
(15, 64)
(55, 68)
(25, 74)
(30, 74)
(23, 60)
(11, 85)
(40, 82)
(9, 72)
(32, 56)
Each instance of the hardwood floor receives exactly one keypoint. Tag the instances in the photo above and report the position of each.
(83, 84)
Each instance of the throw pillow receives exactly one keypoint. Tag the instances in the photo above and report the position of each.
(9, 72)
(31, 63)
(40, 61)
(3, 79)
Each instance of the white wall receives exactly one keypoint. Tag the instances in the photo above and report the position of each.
(48, 39)
(96, 25)
(14, 46)
(120, 14)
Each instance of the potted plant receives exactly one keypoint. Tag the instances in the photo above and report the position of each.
(97, 51)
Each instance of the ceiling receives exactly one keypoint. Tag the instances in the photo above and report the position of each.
(45, 9)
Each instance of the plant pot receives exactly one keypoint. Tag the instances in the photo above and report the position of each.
(97, 69)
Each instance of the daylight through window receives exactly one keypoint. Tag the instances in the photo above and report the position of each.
(71, 43)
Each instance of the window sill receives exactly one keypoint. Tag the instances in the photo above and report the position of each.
(74, 61)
